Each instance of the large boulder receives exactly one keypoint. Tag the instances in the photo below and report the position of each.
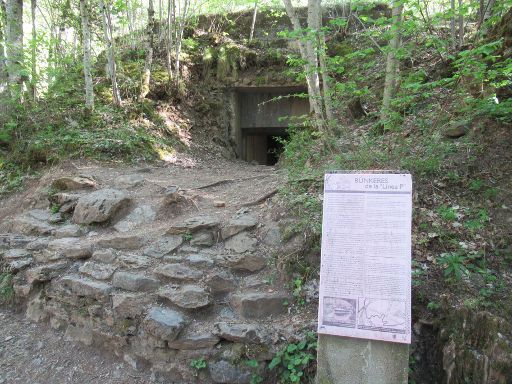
(69, 183)
(99, 206)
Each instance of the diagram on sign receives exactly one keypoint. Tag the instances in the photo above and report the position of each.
(340, 312)
(381, 315)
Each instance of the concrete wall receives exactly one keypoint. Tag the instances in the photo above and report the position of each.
(257, 111)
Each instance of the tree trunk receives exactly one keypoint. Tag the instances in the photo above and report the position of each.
(86, 43)
(169, 36)
(33, 53)
(14, 47)
(253, 24)
(4, 77)
(461, 24)
(452, 25)
(150, 45)
(392, 61)
(107, 31)
(309, 67)
(179, 38)
(130, 19)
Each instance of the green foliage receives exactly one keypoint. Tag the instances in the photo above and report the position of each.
(447, 213)
(295, 363)
(454, 264)
(187, 236)
(6, 289)
(198, 364)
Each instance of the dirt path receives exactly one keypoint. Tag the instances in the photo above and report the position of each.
(35, 354)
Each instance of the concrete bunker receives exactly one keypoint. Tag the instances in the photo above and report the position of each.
(262, 115)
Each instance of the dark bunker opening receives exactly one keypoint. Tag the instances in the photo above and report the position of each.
(262, 117)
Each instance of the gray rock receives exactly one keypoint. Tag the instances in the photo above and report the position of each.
(124, 242)
(178, 272)
(39, 214)
(98, 271)
(456, 129)
(239, 333)
(66, 201)
(223, 372)
(29, 226)
(186, 296)
(99, 206)
(172, 195)
(86, 287)
(16, 253)
(45, 272)
(241, 243)
(163, 246)
(73, 182)
(257, 305)
(134, 282)
(192, 341)
(134, 261)
(221, 282)
(71, 247)
(203, 238)
(18, 265)
(164, 323)
(129, 181)
(243, 262)
(140, 215)
(194, 224)
(46, 256)
(272, 235)
(104, 255)
(200, 260)
(238, 225)
(38, 244)
(130, 305)
(70, 230)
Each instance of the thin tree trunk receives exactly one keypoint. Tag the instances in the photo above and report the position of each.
(14, 47)
(130, 19)
(179, 38)
(150, 45)
(313, 90)
(86, 43)
(169, 36)
(253, 24)
(452, 25)
(107, 30)
(4, 77)
(33, 64)
(461, 24)
(392, 61)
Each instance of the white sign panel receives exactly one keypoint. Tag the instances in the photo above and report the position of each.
(365, 273)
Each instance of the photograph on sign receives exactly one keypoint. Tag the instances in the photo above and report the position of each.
(365, 272)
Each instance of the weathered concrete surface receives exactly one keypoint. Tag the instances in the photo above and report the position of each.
(343, 360)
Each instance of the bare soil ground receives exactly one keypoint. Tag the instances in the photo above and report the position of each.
(35, 354)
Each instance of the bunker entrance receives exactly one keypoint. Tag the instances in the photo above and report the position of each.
(263, 146)
(262, 118)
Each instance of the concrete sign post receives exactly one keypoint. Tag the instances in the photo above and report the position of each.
(364, 315)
